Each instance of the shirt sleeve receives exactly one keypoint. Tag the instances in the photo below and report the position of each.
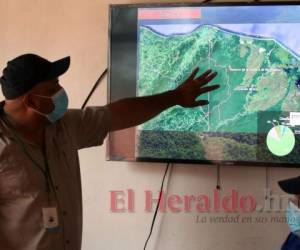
(89, 126)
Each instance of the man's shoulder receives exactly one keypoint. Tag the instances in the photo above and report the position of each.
(292, 242)
(69, 119)
(71, 115)
(88, 126)
(75, 113)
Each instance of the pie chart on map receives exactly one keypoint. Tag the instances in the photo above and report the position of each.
(280, 140)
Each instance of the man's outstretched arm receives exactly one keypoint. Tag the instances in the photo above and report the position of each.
(133, 111)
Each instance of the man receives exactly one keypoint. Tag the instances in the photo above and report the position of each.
(292, 186)
(40, 186)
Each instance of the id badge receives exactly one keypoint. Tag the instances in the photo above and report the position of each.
(50, 218)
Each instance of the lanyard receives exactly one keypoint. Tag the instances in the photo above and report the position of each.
(46, 171)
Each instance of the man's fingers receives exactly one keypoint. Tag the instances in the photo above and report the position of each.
(194, 73)
(203, 76)
(201, 103)
(208, 79)
(208, 89)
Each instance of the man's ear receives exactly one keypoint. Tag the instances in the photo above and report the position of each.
(30, 101)
(41, 104)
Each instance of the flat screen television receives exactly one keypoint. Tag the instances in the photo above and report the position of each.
(253, 119)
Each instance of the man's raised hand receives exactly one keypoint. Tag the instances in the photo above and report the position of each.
(193, 87)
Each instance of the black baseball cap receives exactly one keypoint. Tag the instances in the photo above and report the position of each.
(26, 71)
(290, 186)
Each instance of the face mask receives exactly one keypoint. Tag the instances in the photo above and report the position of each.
(293, 218)
(60, 101)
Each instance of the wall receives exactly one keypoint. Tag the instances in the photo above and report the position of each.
(57, 28)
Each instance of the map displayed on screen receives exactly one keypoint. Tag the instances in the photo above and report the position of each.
(256, 52)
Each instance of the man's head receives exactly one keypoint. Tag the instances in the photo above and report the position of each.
(292, 212)
(291, 186)
(31, 86)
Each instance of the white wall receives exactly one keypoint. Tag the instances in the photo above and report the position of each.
(78, 28)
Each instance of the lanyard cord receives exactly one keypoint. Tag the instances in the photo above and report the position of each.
(46, 171)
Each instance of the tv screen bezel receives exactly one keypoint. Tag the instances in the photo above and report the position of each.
(188, 4)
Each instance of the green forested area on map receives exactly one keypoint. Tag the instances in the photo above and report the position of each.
(256, 75)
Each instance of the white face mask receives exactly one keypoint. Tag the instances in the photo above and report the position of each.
(60, 101)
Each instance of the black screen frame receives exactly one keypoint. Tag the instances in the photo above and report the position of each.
(111, 98)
